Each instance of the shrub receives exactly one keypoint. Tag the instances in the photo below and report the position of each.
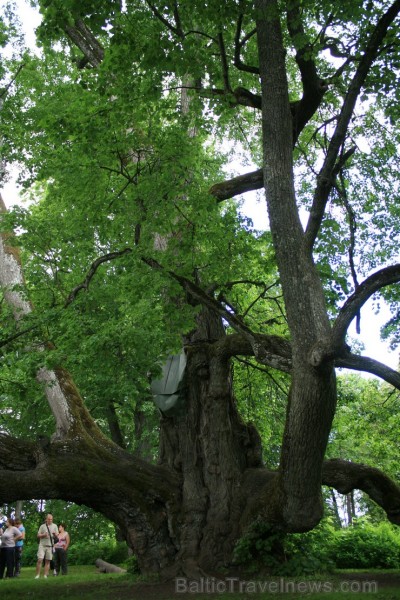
(131, 565)
(260, 549)
(29, 556)
(264, 549)
(309, 553)
(366, 546)
(84, 554)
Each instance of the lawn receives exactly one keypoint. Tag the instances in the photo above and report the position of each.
(84, 583)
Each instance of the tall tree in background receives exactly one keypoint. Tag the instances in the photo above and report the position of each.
(134, 251)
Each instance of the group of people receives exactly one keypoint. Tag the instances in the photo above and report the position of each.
(53, 546)
(12, 540)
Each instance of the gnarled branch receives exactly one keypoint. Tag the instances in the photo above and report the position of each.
(74, 470)
(380, 279)
(346, 476)
(238, 185)
(314, 87)
(260, 487)
(369, 365)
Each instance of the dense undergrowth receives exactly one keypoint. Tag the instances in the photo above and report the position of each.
(362, 546)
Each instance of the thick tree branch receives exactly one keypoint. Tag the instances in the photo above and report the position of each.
(353, 304)
(84, 39)
(346, 476)
(369, 365)
(280, 351)
(238, 185)
(326, 176)
(314, 87)
(260, 486)
(77, 471)
(11, 447)
(92, 271)
(239, 96)
(255, 181)
(333, 346)
(277, 350)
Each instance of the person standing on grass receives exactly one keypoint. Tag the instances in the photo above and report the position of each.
(46, 534)
(19, 544)
(7, 549)
(61, 547)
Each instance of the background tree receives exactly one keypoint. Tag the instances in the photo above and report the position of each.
(134, 250)
(365, 425)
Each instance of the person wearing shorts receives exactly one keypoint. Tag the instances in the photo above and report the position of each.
(45, 549)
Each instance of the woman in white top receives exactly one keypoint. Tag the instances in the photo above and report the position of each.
(9, 536)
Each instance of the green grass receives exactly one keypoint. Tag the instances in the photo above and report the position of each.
(84, 583)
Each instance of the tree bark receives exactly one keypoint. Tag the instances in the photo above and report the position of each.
(312, 394)
(210, 447)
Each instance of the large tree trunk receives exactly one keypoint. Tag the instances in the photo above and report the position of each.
(210, 447)
(313, 393)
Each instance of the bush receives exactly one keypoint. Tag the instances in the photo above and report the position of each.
(267, 550)
(84, 554)
(366, 546)
(131, 565)
(260, 549)
(29, 555)
(309, 553)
